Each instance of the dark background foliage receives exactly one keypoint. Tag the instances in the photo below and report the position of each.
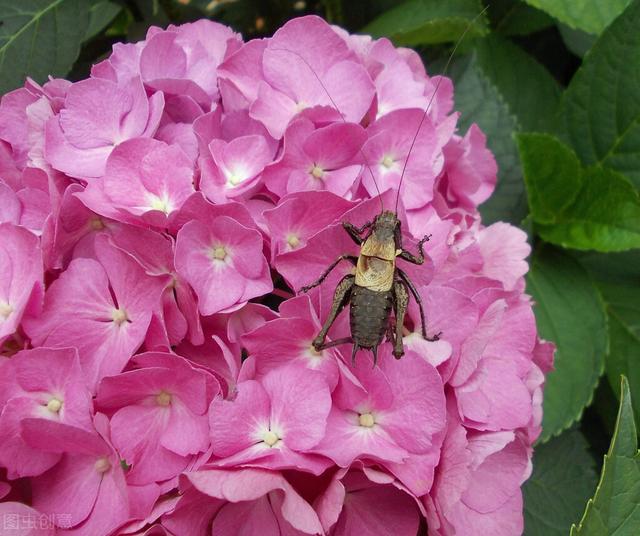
(555, 85)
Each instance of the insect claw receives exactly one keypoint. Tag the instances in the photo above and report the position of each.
(317, 343)
(424, 239)
(435, 338)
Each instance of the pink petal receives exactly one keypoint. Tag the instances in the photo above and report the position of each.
(300, 404)
(235, 424)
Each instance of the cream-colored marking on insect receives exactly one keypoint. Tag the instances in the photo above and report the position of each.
(5, 310)
(102, 465)
(317, 171)
(375, 273)
(54, 405)
(119, 316)
(366, 420)
(383, 249)
(293, 241)
(387, 161)
(270, 438)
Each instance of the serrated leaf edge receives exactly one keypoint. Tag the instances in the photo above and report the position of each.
(624, 393)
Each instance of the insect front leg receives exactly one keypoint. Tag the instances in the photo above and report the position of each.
(416, 295)
(356, 232)
(341, 298)
(335, 263)
(410, 257)
(400, 305)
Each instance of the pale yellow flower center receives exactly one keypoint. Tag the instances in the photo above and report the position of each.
(293, 241)
(317, 171)
(54, 405)
(387, 161)
(102, 465)
(163, 398)
(163, 204)
(119, 316)
(366, 420)
(219, 253)
(97, 224)
(5, 309)
(270, 438)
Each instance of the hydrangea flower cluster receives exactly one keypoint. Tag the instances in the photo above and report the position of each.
(150, 218)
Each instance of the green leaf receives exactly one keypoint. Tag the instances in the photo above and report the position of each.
(601, 107)
(615, 507)
(617, 277)
(39, 38)
(563, 478)
(480, 102)
(592, 16)
(593, 208)
(530, 91)
(569, 312)
(419, 22)
(101, 13)
(513, 17)
(577, 41)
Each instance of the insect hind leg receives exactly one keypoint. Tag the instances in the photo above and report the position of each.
(416, 295)
(400, 305)
(341, 297)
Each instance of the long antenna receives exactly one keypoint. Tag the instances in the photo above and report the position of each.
(364, 158)
(426, 111)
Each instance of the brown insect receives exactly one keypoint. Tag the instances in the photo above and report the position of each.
(378, 285)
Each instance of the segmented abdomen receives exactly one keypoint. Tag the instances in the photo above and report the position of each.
(369, 315)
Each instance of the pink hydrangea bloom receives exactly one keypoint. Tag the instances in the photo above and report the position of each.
(20, 276)
(158, 415)
(145, 181)
(170, 208)
(43, 383)
(98, 115)
(102, 307)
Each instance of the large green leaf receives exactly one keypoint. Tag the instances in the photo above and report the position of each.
(419, 22)
(618, 278)
(593, 208)
(577, 41)
(480, 102)
(101, 13)
(569, 312)
(563, 478)
(592, 16)
(39, 38)
(513, 17)
(601, 107)
(615, 507)
(530, 91)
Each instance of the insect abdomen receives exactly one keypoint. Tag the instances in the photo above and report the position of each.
(369, 315)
